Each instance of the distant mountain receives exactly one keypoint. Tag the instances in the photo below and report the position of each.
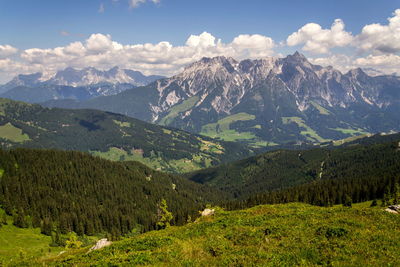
(264, 102)
(25, 80)
(47, 92)
(73, 84)
(111, 136)
(91, 76)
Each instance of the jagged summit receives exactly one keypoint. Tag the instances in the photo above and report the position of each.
(298, 55)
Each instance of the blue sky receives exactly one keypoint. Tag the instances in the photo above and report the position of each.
(162, 36)
(28, 23)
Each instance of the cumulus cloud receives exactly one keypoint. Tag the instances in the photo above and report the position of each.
(385, 63)
(7, 50)
(318, 40)
(253, 46)
(100, 51)
(381, 38)
(137, 3)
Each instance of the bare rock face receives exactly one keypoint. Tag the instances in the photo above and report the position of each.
(101, 244)
(207, 212)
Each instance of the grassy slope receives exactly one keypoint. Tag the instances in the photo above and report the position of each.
(308, 131)
(222, 130)
(17, 243)
(12, 133)
(179, 108)
(271, 235)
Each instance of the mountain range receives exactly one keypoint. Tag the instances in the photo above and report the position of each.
(262, 102)
(73, 84)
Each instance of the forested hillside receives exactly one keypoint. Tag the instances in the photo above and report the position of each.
(111, 136)
(73, 191)
(359, 170)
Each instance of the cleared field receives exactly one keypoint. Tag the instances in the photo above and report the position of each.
(175, 110)
(12, 133)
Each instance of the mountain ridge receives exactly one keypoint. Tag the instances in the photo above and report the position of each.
(72, 83)
(263, 101)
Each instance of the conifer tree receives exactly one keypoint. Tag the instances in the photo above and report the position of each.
(347, 201)
(46, 227)
(164, 216)
(396, 194)
(19, 220)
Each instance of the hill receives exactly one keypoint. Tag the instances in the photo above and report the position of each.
(374, 158)
(112, 136)
(273, 235)
(73, 191)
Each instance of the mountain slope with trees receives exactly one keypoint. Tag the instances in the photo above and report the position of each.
(369, 167)
(112, 136)
(73, 191)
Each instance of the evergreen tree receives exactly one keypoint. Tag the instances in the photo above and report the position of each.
(396, 194)
(347, 201)
(386, 197)
(164, 216)
(47, 227)
(20, 220)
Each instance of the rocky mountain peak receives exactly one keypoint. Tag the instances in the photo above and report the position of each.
(354, 73)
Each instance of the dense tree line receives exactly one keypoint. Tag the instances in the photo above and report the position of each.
(358, 173)
(73, 191)
(281, 169)
(326, 192)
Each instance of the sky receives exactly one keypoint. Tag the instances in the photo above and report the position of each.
(163, 36)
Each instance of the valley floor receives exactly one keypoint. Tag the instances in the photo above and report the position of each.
(270, 235)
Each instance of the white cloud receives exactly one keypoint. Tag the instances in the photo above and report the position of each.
(102, 52)
(7, 50)
(381, 38)
(253, 46)
(387, 63)
(320, 41)
(203, 40)
(137, 3)
(99, 43)
(341, 62)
